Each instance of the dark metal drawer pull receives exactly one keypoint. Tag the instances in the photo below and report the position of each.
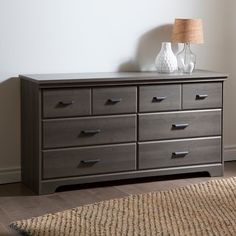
(66, 103)
(90, 162)
(201, 96)
(91, 131)
(180, 154)
(158, 99)
(180, 126)
(114, 100)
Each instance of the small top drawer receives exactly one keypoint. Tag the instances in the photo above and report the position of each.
(114, 100)
(159, 98)
(66, 102)
(202, 95)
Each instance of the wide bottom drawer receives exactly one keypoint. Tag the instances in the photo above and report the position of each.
(179, 152)
(88, 160)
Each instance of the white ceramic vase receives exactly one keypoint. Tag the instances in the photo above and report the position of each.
(166, 61)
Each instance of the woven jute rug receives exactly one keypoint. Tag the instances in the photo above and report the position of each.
(200, 209)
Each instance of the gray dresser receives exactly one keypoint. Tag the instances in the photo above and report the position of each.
(81, 128)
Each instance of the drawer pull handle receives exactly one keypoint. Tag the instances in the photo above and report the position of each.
(201, 96)
(180, 126)
(90, 162)
(66, 103)
(114, 100)
(180, 154)
(158, 99)
(91, 131)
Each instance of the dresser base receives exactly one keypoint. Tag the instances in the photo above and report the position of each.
(50, 186)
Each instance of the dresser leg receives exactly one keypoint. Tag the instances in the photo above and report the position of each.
(217, 171)
(47, 189)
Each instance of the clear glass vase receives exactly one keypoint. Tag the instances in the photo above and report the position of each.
(186, 59)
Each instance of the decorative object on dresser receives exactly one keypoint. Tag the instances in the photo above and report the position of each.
(81, 128)
(187, 31)
(166, 61)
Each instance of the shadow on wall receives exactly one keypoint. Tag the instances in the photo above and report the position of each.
(148, 47)
(10, 124)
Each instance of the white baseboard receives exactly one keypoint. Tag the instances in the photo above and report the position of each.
(10, 175)
(230, 153)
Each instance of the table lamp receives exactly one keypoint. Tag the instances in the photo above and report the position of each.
(187, 31)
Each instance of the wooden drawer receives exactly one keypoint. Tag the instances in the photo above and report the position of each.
(116, 100)
(202, 95)
(169, 125)
(88, 160)
(159, 98)
(179, 153)
(66, 102)
(88, 131)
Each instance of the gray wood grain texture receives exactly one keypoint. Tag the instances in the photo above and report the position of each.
(192, 95)
(161, 154)
(75, 162)
(70, 132)
(120, 76)
(149, 98)
(106, 100)
(50, 186)
(157, 126)
(62, 132)
(30, 135)
(66, 102)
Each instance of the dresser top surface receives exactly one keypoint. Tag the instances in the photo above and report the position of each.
(120, 76)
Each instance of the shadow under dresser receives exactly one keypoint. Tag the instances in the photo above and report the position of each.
(83, 128)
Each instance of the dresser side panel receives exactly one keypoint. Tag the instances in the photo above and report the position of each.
(30, 134)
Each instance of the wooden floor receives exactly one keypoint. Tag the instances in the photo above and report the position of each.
(18, 202)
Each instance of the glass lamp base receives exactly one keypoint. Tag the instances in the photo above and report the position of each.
(186, 59)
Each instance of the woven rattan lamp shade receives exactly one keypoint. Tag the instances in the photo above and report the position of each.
(187, 31)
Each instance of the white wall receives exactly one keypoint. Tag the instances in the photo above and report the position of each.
(46, 36)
